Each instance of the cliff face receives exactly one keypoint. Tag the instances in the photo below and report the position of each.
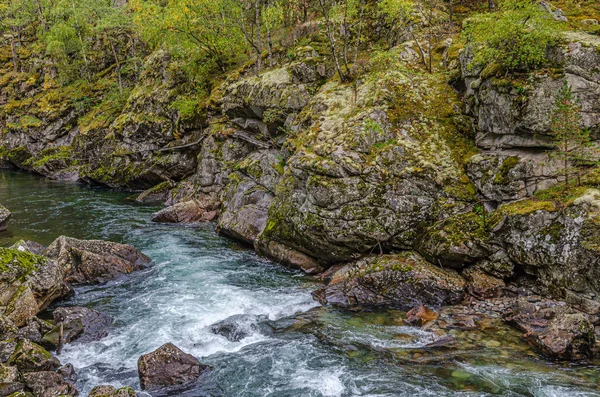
(315, 172)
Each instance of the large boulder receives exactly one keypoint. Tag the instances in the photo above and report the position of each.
(10, 380)
(4, 217)
(553, 328)
(111, 391)
(78, 323)
(168, 366)
(400, 281)
(95, 261)
(190, 211)
(29, 283)
(364, 174)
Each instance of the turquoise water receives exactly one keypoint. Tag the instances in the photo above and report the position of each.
(296, 348)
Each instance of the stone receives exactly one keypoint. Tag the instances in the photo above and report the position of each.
(29, 246)
(186, 212)
(5, 216)
(111, 391)
(7, 348)
(482, 285)
(10, 380)
(8, 329)
(397, 281)
(31, 357)
(420, 315)
(49, 384)
(95, 261)
(78, 323)
(67, 371)
(235, 328)
(556, 330)
(34, 329)
(168, 366)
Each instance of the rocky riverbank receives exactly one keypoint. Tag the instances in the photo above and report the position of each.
(399, 188)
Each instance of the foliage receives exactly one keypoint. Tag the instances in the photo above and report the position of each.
(573, 143)
(515, 37)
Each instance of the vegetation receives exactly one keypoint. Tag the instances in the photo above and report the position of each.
(515, 38)
(573, 143)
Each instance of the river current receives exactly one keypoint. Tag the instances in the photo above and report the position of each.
(294, 347)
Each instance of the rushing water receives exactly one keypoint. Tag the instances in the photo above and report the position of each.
(295, 348)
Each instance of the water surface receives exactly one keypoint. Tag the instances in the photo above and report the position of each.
(294, 347)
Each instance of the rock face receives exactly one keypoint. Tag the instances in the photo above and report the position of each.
(191, 211)
(168, 366)
(95, 261)
(4, 217)
(400, 281)
(554, 329)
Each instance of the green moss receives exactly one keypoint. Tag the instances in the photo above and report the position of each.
(508, 164)
(19, 264)
(525, 207)
(50, 154)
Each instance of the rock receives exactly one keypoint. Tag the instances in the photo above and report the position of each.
(186, 212)
(111, 391)
(482, 285)
(556, 13)
(95, 261)
(398, 281)
(5, 216)
(168, 366)
(235, 328)
(156, 194)
(49, 384)
(31, 357)
(67, 371)
(517, 116)
(34, 329)
(10, 380)
(559, 247)
(29, 283)
(7, 348)
(8, 329)
(288, 256)
(29, 246)
(359, 178)
(457, 241)
(420, 315)
(554, 329)
(78, 323)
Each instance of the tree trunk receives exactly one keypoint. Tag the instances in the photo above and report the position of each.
(13, 48)
(112, 47)
(257, 5)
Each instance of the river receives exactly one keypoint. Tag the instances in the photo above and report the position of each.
(293, 347)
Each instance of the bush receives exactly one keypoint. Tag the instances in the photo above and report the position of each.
(515, 37)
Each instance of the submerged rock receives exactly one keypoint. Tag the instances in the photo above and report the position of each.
(168, 366)
(111, 391)
(78, 323)
(420, 315)
(399, 281)
(235, 328)
(95, 261)
(5, 216)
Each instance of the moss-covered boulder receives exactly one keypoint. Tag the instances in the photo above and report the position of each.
(10, 380)
(397, 281)
(373, 164)
(31, 357)
(29, 283)
(49, 383)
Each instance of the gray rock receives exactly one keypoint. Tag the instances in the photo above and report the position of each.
(111, 391)
(49, 384)
(78, 323)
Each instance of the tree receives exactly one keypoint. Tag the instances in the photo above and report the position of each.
(515, 37)
(398, 17)
(573, 143)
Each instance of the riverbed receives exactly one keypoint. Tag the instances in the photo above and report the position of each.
(293, 346)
